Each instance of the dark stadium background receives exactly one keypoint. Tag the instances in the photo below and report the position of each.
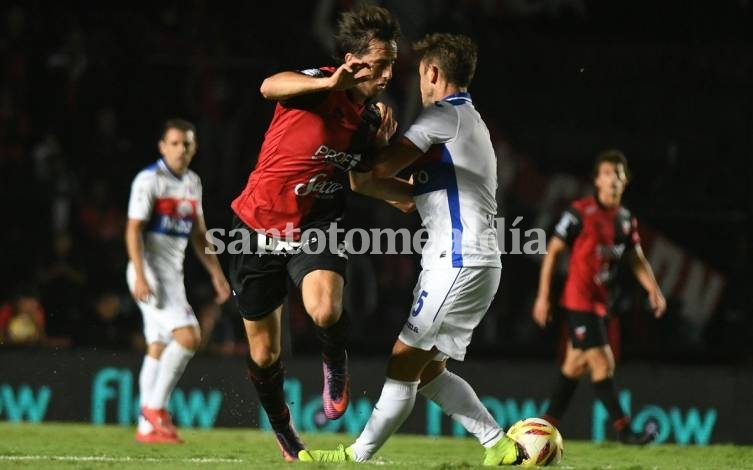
(85, 87)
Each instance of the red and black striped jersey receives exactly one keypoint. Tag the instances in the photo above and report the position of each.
(300, 177)
(597, 237)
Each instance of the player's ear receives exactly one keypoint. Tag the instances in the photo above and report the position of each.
(433, 73)
(348, 57)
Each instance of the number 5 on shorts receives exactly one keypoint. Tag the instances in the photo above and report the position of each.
(419, 303)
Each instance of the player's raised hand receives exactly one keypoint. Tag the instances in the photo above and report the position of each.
(541, 311)
(657, 302)
(141, 290)
(350, 74)
(221, 288)
(388, 127)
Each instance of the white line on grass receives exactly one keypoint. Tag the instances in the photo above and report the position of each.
(104, 458)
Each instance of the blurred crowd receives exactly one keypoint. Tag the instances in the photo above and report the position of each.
(85, 89)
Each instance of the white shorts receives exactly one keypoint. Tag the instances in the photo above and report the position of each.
(447, 305)
(167, 309)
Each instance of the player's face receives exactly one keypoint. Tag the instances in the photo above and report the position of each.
(178, 148)
(611, 180)
(380, 57)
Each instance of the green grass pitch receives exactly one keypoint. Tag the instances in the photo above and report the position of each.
(83, 446)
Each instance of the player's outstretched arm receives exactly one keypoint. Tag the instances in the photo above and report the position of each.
(203, 250)
(389, 189)
(645, 275)
(395, 157)
(542, 308)
(286, 85)
(135, 248)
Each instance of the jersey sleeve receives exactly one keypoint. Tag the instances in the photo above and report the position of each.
(437, 124)
(141, 202)
(569, 226)
(308, 101)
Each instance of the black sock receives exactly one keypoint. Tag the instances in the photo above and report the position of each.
(334, 338)
(561, 395)
(606, 391)
(268, 382)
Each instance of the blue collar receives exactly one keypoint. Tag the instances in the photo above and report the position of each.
(161, 163)
(458, 98)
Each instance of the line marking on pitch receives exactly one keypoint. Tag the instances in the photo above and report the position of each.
(104, 458)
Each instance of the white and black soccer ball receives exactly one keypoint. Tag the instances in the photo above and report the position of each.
(541, 441)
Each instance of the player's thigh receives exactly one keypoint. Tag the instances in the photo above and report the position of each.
(159, 323)
(258, 280)
(448, 304)
(317, 254)
(586, 330)
(600, 359)
(264, 337)
(472, 299)
(575, 363)
(322, 294)
(174, 312)
(319, 270)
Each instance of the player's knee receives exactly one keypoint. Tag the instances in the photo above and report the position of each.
(575, 364)
(264, 357)
(601, 367)
(574, 369)
(325, 313)
(432, 370)
(189, 338)
(401, 369)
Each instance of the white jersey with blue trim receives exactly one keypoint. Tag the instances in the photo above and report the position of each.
(455, 184)
(169, 204)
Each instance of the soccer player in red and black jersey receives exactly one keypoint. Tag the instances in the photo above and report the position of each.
(599, 232)
(325, 124)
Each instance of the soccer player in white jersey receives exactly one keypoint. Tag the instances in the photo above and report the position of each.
(164, 212)
(454, 185)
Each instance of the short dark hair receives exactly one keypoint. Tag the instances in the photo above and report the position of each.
(177, 123)
(611, 156)
(357, 28)
(454, 54)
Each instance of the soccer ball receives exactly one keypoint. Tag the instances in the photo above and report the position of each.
(541, 441)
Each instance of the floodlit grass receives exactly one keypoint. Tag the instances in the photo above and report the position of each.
(83, 446)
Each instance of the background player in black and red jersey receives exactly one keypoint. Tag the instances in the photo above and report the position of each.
(599, 233)
(325, 124)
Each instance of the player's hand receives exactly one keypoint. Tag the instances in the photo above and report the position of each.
(657, 302)
(221, 288)
(350, 74)
(141, 290)
(387, 128)
(541, 311)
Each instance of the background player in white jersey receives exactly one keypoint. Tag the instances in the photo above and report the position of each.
(164, 211)
(454, 185)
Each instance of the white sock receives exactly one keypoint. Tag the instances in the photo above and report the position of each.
(147, 377)
(459, 401)
(172, 364)
(394, 405)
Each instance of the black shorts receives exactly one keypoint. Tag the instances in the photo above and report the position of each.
(586, 329)
(259, 273)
